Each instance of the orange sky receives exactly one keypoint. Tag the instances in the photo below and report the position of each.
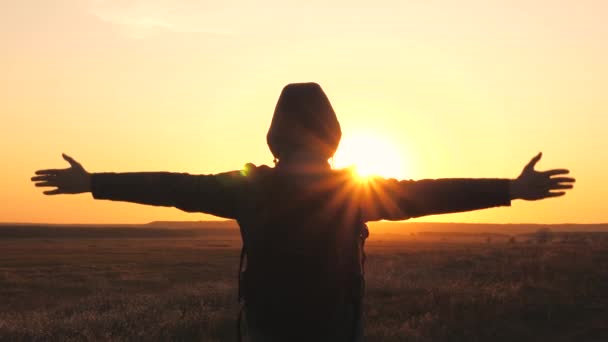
(454, 88)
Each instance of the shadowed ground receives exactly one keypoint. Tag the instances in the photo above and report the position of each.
(175, 285)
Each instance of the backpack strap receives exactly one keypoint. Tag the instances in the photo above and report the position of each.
(363, 234)
(240, 275)
(241, 298)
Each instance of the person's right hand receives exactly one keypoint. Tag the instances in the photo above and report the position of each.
(73, 180)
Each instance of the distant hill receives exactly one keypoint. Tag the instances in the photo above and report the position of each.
(227, 224)
(479, 228)
(119, 231)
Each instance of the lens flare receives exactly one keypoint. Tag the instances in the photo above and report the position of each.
(369, 155)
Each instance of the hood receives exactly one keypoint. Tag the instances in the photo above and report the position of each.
(304, 119)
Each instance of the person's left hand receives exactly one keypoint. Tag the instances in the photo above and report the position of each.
(535, 185)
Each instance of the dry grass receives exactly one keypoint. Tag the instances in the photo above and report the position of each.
(185, 289)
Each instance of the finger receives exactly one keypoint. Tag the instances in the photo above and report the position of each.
(561, 186)
(41, 184)
(562, 180)
(70, 160)
(49, 171)
(533, 161)
(556, 172)
(53, 192)
(556, 194)
(42, 178)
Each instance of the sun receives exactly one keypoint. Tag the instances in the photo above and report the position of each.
(370, 155)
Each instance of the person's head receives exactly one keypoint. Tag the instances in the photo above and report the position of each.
(304, 124)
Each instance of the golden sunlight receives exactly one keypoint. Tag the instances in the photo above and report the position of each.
(369, 155)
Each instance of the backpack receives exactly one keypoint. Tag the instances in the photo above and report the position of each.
(301, 275)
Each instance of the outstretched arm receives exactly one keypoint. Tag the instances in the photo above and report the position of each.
(390, 199)
(213, 194)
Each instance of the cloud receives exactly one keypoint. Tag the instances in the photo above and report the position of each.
(261, 18)
(139, 19)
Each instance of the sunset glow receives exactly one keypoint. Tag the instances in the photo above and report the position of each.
(422, 89)
(370, 155)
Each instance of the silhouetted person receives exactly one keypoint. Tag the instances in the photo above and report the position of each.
(302, 223)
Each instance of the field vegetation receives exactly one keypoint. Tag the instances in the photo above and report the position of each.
(152, 283)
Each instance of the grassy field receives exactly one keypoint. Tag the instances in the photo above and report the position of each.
(155, 284)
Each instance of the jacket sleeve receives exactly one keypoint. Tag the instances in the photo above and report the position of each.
(212, 194)
(389, 199)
